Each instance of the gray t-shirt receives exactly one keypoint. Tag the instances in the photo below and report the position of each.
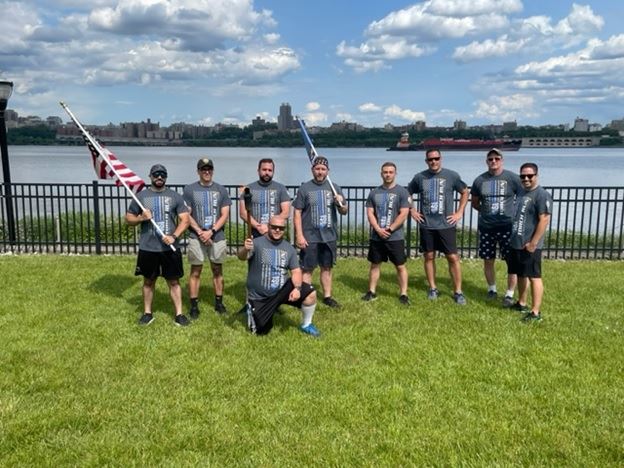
(165, 207)
(318, 211)
(206, 202)
(269, 267)
(266, 200)
(496, 194)
(435, 193)
(529, 206)
(386, 204)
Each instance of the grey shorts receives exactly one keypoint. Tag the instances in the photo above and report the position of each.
(198, 252)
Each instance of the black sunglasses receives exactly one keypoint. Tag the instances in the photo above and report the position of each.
(159, 174)
(527, 176)
(277, 228)
(433, 159)
(496, 158)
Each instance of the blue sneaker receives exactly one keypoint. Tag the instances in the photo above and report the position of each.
(310, 330)
(433, 294)
(459, 299)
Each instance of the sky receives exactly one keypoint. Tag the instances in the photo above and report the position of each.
(371, 61)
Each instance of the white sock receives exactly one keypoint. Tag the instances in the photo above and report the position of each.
(307, 312)
(509, 293)
(492, 287)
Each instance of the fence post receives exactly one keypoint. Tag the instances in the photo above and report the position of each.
(408, 237)
(96, 218)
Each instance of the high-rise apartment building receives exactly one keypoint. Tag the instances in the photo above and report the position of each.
(285, 119)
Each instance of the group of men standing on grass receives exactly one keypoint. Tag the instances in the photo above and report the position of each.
(514, 212)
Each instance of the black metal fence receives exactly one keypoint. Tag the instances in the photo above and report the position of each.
(587, 222)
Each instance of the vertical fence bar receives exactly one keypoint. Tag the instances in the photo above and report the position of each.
(97, 230)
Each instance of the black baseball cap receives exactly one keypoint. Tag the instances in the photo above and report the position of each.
(158, 168)
(203, 162)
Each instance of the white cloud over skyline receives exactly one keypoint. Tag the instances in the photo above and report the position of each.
(207, 60)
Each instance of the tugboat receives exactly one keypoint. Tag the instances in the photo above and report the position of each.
(455, 144)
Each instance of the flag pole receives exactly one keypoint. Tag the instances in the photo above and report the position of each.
(99, 149)
(312, 153)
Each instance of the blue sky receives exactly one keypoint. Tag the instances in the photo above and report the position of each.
(374, 62)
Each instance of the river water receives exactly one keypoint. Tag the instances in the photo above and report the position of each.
(585, 167)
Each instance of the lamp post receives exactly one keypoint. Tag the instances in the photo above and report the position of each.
(6, 88)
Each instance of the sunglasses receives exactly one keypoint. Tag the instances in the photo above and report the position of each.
(277, 228)
(207, 169)
(495, 158)
(159, 175)
(433, 159)
(527, 176)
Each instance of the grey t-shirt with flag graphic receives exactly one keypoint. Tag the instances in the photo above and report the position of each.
(266, 200)
(435, 193)
(318, 211)
(496, 194)
(387, 203)
(165, 207)
(269, 267)
(529, 207)
(206, 202)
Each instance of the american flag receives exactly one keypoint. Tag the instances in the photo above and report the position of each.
(307, 141)
(103, 171)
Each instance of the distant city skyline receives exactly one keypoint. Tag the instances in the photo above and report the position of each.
(208, 61)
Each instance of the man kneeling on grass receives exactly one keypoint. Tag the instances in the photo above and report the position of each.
(270, 259)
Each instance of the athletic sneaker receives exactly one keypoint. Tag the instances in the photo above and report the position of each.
(433, 294)
(491, 295)
(194, 312)
(331, 302)
(508, 301)
(531, 317)
(310, 330)
(146, 319)
(220, 308)
(369, 296)
(459, 299)
(181, 320)
(519, 307)
(403, 299)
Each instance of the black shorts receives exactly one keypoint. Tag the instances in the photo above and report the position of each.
(442, 240)
(262, 310)
(489, 238)
(154, 264)
(318, 254)
(381, 251)
(524, 263)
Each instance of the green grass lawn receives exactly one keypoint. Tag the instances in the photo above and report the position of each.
(433, 384)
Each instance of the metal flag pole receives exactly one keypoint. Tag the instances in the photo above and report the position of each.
(312, 153)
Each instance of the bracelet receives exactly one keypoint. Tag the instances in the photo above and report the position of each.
(174, 236)
(298, 288)
(213, 231)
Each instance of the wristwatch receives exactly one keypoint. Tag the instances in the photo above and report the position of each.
(213, 231)
(298, 288)
(174, 236)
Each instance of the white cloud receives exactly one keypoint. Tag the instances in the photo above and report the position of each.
(340, 116)
(369, 107)
(312, 106)
(404, 114)
(145, 42)
(535, 34)
(415, 31)
(315, 118)
(505, 108)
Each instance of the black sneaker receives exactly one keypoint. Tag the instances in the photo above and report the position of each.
(146, 319)
(508, 302)
(194, 312)
(181, 320)
(369, 296)
(491, 295)
(331, 302)
(220, 308)
(403, 299)
(531, 317)
(519, 307)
